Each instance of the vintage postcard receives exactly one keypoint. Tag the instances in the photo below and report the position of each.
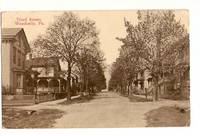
(95, 69)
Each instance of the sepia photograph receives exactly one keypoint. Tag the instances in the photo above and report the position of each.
(95, 69)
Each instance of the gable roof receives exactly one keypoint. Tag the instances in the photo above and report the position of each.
(42, 62)
(11, 33)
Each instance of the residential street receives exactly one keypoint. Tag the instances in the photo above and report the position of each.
(107, 109)
(96, 69)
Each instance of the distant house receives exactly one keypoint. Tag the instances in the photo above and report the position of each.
(48, 79)
(142, 81)
(182, 68)
(173, 81)
(14, 50)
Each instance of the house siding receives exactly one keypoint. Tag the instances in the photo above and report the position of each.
(6, 57)
(10, 69)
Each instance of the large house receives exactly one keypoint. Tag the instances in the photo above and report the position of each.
(30, 80)
(14, 49)
(45, 76)
(46, 73)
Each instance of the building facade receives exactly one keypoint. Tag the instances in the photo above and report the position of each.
(49, 72)
(14, 50)
(143, 81)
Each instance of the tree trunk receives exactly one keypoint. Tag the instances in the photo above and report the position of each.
(69, 83)
(129, 84)
(181, 86)
(86, 85)
(146, 93)
(156, 93)
(155, 90)
(82, 85)
(87, 80)
(158, 60)
(128, 89)
(121, 90)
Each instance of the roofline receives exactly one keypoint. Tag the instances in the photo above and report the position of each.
(20, 29)
(29, 49)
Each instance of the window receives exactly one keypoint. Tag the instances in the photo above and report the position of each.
(18, 81)
(14, 55)
(19, 58)
(23, 61)
(19, 41)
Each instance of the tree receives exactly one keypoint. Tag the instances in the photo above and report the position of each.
(151, 40)
(65, 38)
(91, 68)
(118, 76)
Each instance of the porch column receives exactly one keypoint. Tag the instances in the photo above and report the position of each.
(59, 85)
(22, 83)
(37, 85)
(36, 98)
(139, 86)
(48, 80)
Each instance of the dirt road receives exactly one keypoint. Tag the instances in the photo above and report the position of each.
(110, 110)
(106, 110)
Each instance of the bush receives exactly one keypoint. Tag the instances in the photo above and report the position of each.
(6, 90)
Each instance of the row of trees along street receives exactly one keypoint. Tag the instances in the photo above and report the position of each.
(154, 44)
(76, 42)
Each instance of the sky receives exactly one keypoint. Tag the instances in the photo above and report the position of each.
(110, 24)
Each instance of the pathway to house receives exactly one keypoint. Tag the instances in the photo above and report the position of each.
(107, 109)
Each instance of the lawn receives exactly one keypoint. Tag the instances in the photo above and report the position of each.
(17, 118)
(135, 98)
(168, 117)
(81, 99)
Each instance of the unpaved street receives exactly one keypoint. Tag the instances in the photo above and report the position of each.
(107, 109)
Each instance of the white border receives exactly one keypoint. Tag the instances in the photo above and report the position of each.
(193, 5)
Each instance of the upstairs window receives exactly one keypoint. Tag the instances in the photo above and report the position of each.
(23, 61)
(19, 58)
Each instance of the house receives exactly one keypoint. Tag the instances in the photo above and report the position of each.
(182, 67)
(176, 82)
(14, 50)
(142, 81)
(48, 79)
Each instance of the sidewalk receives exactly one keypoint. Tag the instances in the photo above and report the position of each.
(58, 101)
(47, 105)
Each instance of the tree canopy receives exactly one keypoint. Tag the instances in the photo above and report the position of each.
(148, 44)
(67, 38)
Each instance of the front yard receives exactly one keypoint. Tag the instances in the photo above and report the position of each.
(168, 117)
(99, 111)
(18, 118)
